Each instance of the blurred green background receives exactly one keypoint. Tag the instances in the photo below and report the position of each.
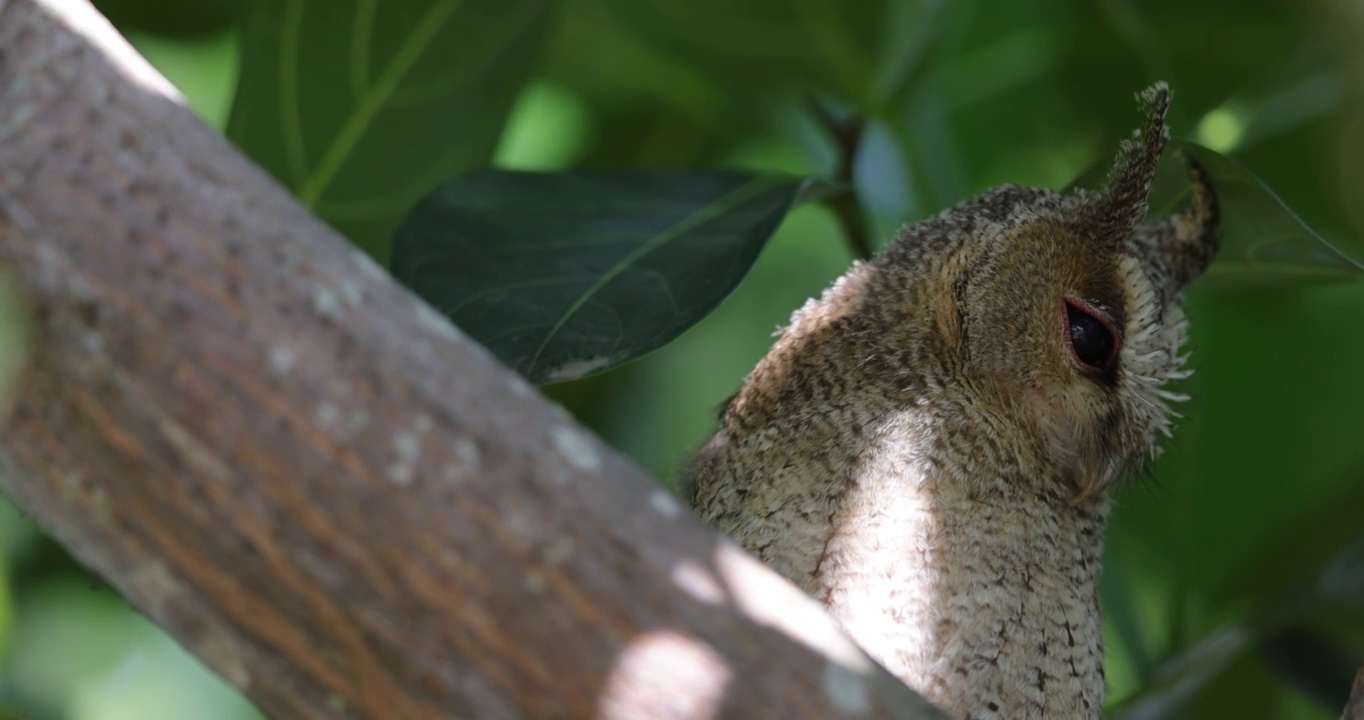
(1234, 584)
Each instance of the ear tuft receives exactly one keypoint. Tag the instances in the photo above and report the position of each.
(1181, 246)
(1122, 203)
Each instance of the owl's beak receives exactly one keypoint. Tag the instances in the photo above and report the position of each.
(1095, 483)
(1089, 493)
(1090, 488)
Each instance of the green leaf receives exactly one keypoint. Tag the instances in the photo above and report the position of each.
(1334, 589)
(1180, 679)
(1263, 241)
(361, 106)
(564, 275)
(864, 52)
(1120, 613)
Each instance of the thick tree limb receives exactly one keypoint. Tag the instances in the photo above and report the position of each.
(314, 482)
(1354, 707)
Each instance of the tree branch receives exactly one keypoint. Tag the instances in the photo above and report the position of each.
(1354, 707)
(313, 481)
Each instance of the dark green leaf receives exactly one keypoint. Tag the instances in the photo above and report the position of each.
(172, 19)
(565, 275)
(361, 107)
(1318, 665)
(1263, 241)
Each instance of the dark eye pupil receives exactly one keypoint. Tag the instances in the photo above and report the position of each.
(1090, 339)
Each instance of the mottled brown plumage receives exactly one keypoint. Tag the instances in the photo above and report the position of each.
(926, 449)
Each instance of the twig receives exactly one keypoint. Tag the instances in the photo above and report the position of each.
(845, 203)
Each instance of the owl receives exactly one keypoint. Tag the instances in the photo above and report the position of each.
(928, 448)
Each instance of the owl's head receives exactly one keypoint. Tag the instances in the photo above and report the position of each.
(1068, 317)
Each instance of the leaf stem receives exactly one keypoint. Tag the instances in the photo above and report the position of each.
(845, 203)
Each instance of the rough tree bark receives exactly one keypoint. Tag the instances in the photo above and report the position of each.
(314, 482)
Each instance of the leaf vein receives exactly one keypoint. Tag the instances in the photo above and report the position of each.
(696, 219)
(358, 121)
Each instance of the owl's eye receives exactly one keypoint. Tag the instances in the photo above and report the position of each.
(1090, 337)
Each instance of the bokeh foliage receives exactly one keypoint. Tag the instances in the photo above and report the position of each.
(1234, 583)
